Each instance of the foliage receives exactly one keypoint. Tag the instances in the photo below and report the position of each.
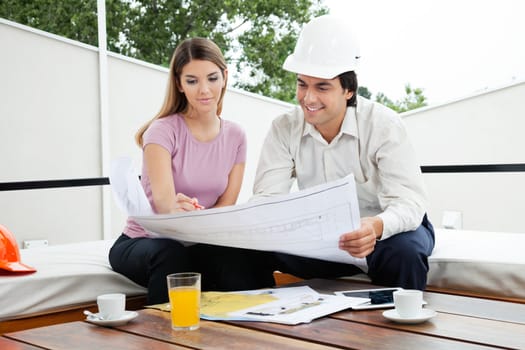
(73, 19)
(256, 36)
(268, 41)
(363, 91)
(413, 99)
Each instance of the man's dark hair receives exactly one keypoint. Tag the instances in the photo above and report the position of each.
(349, 81)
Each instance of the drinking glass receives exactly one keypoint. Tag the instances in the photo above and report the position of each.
(184, 291)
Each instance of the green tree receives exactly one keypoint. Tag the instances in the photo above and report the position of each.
(363, 91)
(73, 19)
(413, 99)
(269, 39)
(384, 100)
(256, 36)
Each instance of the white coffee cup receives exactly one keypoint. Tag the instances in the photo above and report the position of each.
(408, 302)
(111, 306)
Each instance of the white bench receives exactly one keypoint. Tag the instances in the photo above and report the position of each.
(67, 275)
(488, 264)
(491, 264)
(476, 263)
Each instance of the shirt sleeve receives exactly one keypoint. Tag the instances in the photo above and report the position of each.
(242, 148)
(160, 132)
(401, 191)
(275, 171)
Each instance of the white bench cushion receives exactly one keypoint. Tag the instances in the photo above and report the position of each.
(491, 263)
(66, 275)
(479, 262)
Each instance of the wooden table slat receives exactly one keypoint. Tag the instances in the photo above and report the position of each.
(352, 335)
(462, 305)
(81, 335)
(463, 328)
(212, 335)
(8, 344)
(476, 307)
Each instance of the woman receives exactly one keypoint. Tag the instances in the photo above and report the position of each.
(192, 159)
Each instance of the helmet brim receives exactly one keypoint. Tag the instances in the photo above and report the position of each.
(14, 266)
(315, 70)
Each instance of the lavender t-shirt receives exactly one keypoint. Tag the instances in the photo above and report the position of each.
(200, 169)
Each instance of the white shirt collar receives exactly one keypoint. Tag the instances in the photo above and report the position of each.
(348, 127)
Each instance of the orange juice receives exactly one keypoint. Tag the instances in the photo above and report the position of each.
(185, 306)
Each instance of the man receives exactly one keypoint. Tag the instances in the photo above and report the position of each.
(332, 133)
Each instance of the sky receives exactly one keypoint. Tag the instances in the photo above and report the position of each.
(449, 48)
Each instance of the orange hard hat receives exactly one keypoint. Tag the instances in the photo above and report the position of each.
(9, 253)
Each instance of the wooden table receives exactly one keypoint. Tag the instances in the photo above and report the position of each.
(461, 323)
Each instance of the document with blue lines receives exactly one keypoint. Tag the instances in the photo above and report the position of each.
(305, 223)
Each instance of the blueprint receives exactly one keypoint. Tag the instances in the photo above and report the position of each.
(305, 223)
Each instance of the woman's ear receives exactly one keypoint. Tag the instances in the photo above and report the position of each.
(178, 86)
(225, 76)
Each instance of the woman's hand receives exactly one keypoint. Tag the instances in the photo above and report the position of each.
(185, 203)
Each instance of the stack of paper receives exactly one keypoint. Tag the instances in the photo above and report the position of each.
(291, 305)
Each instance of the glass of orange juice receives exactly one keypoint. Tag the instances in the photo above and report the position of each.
(184, 290)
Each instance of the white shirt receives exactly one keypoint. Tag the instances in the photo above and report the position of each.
(372, 145)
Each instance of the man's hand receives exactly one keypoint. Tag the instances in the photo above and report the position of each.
(361, 242)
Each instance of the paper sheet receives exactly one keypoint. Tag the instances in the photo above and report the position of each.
(126, 188)
(305, 223)
(303, 309)
(217, 305)
(292, 305)
(289, 305)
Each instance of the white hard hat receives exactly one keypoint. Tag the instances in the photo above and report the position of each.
(326, 48)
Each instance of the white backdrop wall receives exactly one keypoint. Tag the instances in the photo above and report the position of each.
(50, 129)
(482, 129)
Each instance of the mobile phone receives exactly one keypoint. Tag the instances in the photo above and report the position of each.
(375, 296)
(379, 297)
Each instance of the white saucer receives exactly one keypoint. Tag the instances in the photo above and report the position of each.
(426, 314)
(128, 316)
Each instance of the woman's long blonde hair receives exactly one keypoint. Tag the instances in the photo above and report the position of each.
(175, 101)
